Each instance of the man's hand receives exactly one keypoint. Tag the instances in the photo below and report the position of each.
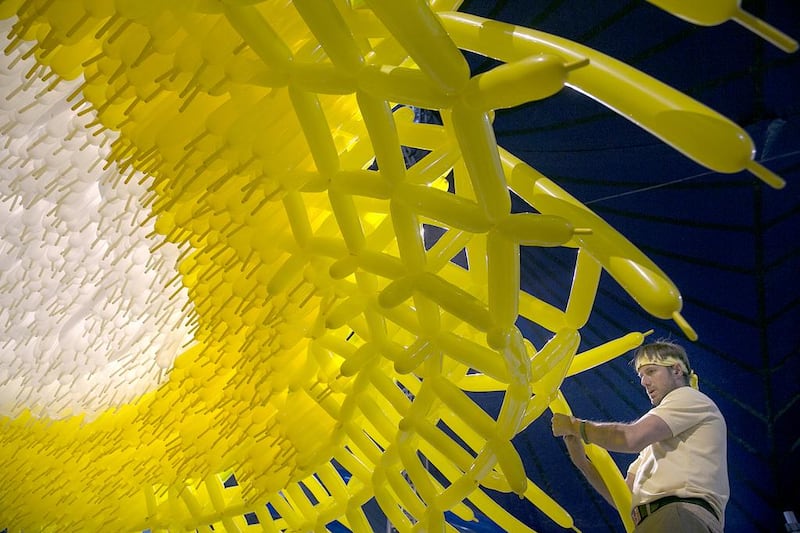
(563, 425)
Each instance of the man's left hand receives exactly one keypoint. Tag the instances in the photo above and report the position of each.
(563, 425)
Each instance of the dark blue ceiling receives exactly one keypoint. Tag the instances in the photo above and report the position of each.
(729, 242)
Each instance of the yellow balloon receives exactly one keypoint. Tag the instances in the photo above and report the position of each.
(513, 84)
(718, 11)
(688, 126)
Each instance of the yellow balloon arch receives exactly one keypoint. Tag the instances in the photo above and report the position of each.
(331, 352)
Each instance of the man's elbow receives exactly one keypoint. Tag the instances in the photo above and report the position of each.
(635, 442)
(637, 447)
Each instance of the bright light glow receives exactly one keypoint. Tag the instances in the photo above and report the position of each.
(86, 320)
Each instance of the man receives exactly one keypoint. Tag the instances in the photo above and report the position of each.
(679, 482)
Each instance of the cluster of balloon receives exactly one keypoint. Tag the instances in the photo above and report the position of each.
(212, 261)
(84, 299)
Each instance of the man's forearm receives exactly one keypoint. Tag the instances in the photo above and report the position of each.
(609, 435)
(617, 437)
(589, 471)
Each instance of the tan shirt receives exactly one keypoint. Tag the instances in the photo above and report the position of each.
(691, 464)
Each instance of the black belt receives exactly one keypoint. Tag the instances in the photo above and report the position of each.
(640, 512)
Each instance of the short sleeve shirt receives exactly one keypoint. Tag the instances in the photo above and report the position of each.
(693, 462)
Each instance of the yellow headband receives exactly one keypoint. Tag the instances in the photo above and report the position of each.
(669, 360)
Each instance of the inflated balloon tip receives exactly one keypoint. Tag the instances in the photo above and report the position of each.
(787, 44)
(687, 330)
(573, 65)
(766, 175)
(766, 31)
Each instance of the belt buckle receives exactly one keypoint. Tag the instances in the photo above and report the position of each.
(636, 516)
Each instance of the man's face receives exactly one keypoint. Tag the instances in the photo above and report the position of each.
(659, 380)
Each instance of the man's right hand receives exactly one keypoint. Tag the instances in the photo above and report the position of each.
(575, 449)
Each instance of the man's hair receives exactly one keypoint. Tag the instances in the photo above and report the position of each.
(662, 350)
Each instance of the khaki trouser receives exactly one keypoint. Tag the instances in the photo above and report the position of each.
(680, 517)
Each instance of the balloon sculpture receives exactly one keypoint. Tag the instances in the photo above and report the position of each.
(213, 263)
